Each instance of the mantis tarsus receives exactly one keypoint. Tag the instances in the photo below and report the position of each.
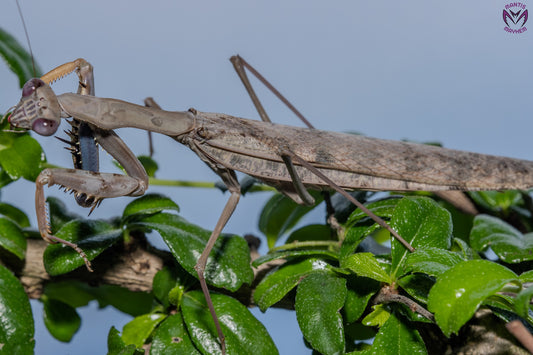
(289, 158)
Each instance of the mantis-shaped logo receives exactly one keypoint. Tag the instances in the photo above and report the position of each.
(518, 19)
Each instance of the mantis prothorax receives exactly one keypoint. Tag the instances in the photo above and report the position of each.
(289, 158)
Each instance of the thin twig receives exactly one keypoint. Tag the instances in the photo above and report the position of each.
(388, 295)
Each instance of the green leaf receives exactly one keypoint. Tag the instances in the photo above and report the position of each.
(149, 164)
(309, 233)
(365, 264)
(93, 237)
(12, 238)
(17, 58)
(526, 276)
(138, 303)
(21, 156)
(61, 320)
(459, 291)
(497, 201)
(228, 264)
(116, 345)
(422, 223)
(384, 208)
(508, 243)
(291, 254)
(354, 236)
(244, 333)
(431, 261)
(319, 298)
(147, 205)
(74, 293)
(14, 214)
(280, 214)
(16, 319)
(281, 280)
(522, 302)
(397, 338)
(360, 290)
(138, 330)
(171, 337)
(379, 315)
(164, 281)
(461, 247)
(59, 213)
(417, 285)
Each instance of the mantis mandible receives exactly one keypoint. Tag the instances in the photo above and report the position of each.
(289, 158)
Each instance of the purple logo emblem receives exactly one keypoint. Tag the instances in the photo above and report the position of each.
(515, 17)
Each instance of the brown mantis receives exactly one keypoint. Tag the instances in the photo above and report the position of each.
(288, 158)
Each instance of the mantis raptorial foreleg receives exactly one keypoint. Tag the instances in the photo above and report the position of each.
(89, 186)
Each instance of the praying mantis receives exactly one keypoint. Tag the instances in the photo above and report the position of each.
(289, 158)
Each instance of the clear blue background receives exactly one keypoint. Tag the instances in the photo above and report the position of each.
(420, 70)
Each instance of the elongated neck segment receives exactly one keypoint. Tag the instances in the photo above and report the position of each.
(112, 114)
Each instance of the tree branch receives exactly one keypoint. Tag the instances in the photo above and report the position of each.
(132, 266)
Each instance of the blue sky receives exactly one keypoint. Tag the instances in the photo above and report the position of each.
(417, 70)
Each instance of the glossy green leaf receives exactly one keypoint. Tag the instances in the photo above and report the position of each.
(507, 242)
(61, 320)
(319, 298)
(379, 315)
(294, 253)
(164, 281)
(459, 291)
(21, 156)
(397, 338)
(526, 276)
(383, 208)
(171, 337)
(12, 238)
(74, 293)
(281, 280)
(357, 331)
(431, 261)
(280, 214)
(138, 302)
(17, 58)
(138, 330)
(365, 264)
(16, 319)
(496, 201)
(116, 345)
(359, 292)
(147, 205)
(228, 264)
(522, 301)
(93, 237)
(309, 233)
(353, 237)
(422, 223)
(417, 285)
(244, 333)
(59, 213)
(14, 214)
(461, 247)
(4, 177)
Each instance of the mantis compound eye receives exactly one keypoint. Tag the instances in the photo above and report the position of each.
(31, 85)
(45, 127)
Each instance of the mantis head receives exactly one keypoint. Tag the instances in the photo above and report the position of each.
(38, 109)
